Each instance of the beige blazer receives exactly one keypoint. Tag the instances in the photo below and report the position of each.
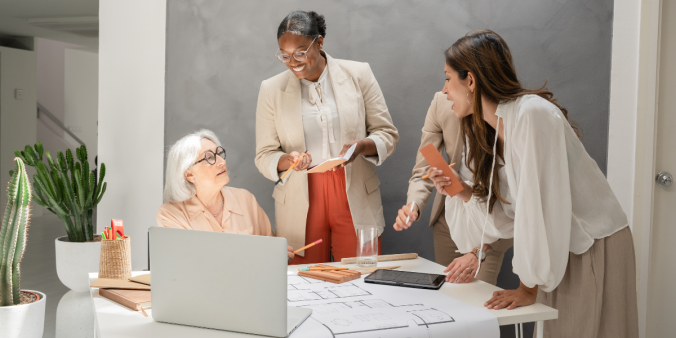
(241, 215)
(442, 129)
(279, 129)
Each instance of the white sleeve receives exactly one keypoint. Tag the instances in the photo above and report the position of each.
(466, 221)
(543, 207)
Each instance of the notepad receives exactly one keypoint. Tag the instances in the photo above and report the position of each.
(143, 279)
(133, 299)
(328, 164)
(434, 159)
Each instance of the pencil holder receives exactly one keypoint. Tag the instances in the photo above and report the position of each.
(115, 261)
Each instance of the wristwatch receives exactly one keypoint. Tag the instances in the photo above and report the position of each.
(480, 254)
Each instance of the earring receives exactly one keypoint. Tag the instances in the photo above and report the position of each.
(468, 98)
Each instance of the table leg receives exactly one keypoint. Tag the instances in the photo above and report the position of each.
(540, 329)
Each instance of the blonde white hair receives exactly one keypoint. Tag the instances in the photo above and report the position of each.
(181, 156)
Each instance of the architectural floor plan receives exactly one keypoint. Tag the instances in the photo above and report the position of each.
(357, 309)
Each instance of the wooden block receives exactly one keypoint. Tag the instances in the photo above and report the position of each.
(338, 276)
(383, 258)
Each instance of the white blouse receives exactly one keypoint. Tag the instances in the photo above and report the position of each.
(559, 200)
(321, 125)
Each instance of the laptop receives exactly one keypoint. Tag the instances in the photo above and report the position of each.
(222, 281)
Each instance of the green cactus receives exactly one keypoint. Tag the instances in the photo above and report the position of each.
(13, 235)
(67, 188)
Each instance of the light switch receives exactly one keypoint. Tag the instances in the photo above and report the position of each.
(18, 94)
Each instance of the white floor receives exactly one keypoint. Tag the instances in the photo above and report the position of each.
(38, 272)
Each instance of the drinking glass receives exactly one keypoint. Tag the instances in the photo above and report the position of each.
(367, 247)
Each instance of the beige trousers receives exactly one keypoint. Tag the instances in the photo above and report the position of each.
(445, 251)
(597, 296)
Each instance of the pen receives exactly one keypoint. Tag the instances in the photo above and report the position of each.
(323, 269)
(410, 208)
(307, 246)
(292, 166)
(428, 176)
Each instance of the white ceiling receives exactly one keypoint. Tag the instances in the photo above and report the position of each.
(59, 20)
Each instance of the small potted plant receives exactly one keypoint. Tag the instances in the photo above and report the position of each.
(22, 312)
(71, 191)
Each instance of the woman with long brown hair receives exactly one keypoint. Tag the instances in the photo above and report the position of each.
(573, 249)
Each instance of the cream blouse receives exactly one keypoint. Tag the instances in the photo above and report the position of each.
(559, 200)
(321, 125)
(241, 215)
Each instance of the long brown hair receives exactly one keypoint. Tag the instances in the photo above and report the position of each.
(486, 55)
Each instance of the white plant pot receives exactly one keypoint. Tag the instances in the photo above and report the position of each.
(23, 321)
(74, 262)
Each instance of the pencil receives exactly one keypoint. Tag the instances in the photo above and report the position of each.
(308, 246)
(324, 269)
(290, 168)
(428, 176)
(410, 208)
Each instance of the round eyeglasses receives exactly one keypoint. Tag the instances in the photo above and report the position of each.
(299, 56)
(210, 156)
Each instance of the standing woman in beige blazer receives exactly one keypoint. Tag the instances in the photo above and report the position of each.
(321, 106)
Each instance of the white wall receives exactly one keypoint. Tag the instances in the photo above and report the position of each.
(131, 115)
(51, 75)
(17, 117)
(81, 98)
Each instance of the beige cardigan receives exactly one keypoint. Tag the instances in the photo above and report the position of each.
(279, 129)
(442, 129)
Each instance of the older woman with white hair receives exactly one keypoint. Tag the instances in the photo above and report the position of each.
(196, 196)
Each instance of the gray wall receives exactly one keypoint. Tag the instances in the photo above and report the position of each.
(218, 52)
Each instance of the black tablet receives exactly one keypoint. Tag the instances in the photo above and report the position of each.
(407, 279)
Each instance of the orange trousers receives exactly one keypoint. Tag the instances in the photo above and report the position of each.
(329, 218)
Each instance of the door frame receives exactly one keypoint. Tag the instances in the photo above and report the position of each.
(632, 127)
(649, 66)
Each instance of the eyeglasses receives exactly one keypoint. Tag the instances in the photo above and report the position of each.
(299, 56)
(210, 156)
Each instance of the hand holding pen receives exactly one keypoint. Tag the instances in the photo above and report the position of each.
(295, 161)
(301, 161)
(407, 214)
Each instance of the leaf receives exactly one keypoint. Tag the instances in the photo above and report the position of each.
(102, 192)
(69, 159)
(39, 149)
(30, 155)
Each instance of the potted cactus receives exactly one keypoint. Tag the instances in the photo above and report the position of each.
(22, 312)
(70, 190)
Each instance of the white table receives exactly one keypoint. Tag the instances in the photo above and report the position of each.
(114, 320)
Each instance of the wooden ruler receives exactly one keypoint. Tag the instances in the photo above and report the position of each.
(383, 258)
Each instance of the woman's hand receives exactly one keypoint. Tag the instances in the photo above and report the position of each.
(512, 298)
(405, 212)
(462, 269)
(440, 182)
(287, 160)
(364, 147)
(290, 253)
